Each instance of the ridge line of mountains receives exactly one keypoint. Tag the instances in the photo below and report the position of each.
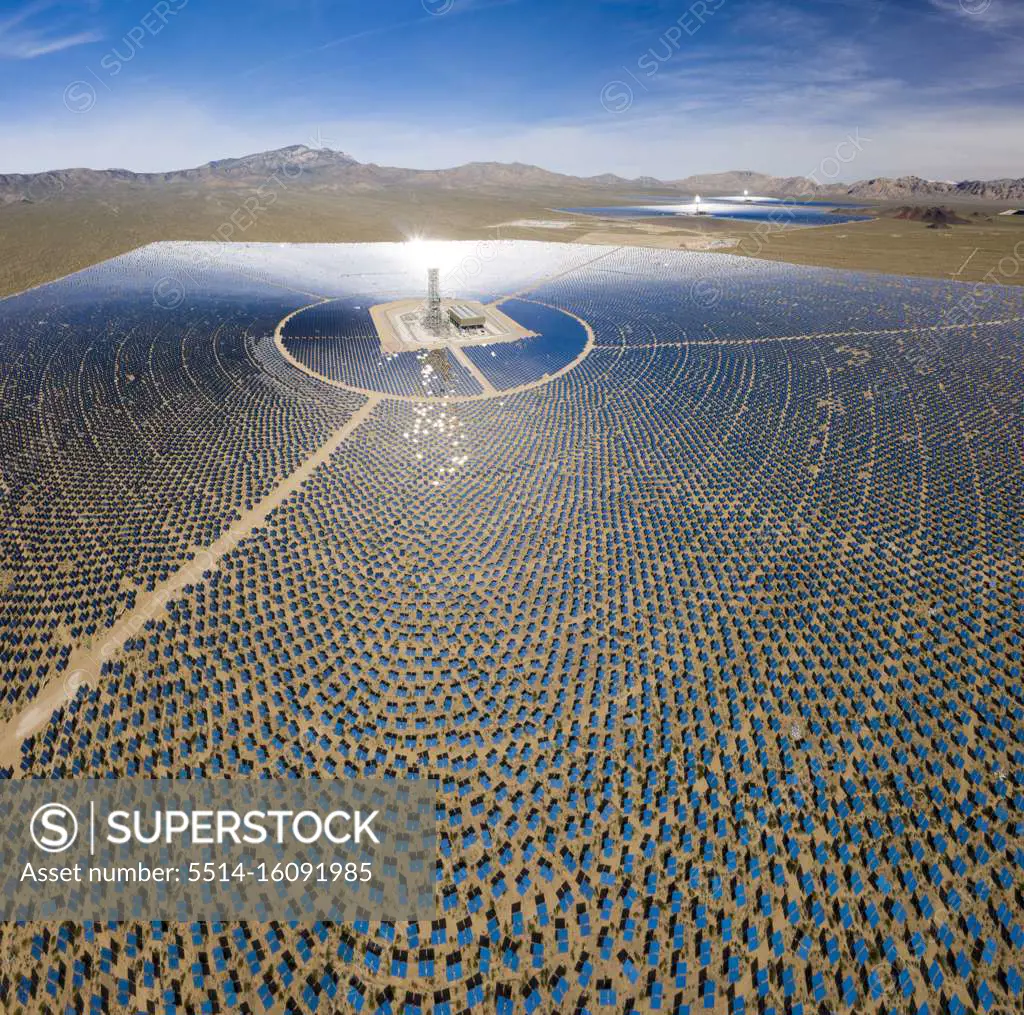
(325, 169)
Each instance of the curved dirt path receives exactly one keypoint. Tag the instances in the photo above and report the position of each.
(910, 330)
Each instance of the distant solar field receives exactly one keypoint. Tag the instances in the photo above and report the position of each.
(712, 642)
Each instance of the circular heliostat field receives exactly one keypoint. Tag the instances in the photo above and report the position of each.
(721, 622)
(337, 342)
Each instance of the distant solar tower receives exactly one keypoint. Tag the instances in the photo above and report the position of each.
(433, 317)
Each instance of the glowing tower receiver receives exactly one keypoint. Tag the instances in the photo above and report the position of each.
(432, 318)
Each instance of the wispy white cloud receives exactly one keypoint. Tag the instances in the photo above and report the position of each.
(39, 29)
(27, 49)
(789, 67)
(984, 15)
(433, 12)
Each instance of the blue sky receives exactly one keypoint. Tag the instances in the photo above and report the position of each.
(934, 87)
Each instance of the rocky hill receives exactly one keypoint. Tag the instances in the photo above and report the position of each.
(936, 216)
(757, 183)
(904, 187)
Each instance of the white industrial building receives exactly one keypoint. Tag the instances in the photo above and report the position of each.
(463, 316)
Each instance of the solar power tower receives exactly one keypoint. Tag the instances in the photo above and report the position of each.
(433, 317)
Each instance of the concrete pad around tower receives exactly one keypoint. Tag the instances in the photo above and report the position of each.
(401, 328)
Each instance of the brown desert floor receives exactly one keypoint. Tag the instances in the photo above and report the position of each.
(41, 242)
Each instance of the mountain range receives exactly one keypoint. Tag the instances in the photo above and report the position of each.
(879, 189)
(327, 170)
